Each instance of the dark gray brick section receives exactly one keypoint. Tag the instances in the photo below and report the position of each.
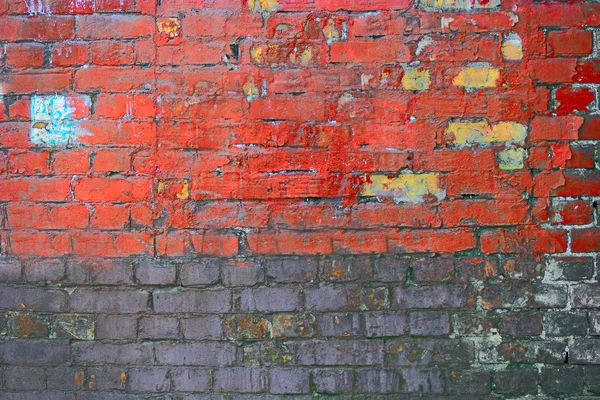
(427, 327)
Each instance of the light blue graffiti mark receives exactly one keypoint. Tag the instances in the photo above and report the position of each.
(53, 121)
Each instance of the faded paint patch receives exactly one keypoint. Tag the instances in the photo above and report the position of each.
(475, 77)
(174, 188)
(511, 159)
(416, 79)
(54, 119)
(330, 32)
(512, 47)
(263, 6)
(250, 90)
(404, 188)
(465, 5)
(481, 132)
(170, 27)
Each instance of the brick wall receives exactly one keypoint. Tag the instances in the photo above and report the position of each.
(249, 199)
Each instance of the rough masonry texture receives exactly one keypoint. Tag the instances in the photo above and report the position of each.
(296, 199)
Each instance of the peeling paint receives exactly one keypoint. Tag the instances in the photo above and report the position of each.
(411, 188)
(416, 79)
(512, 47)
(511, 159)
(482, 132)
(475, 77)
(55, 119)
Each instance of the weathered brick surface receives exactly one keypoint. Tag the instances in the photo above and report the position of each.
(292, 199)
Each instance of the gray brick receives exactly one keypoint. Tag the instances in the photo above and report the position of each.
(586, 296)
(439, 269)
(240, 380)
(392, 269)
(423, 352)
(45, 395)
(592, 378)
(549, 296)
(30, 352)
(41, 270)
(208, 354)
(289, 381)
(594, 323)
(202, 327)
(108, 353)
(326, 299)
(429, 323)
(338, 324)
(158, 327)
(340, 353)
(10, 271)
(149, 379)
(516, 381)
(190, 379)
(332, 381)
(448, 296)
(346, 269)
(121, 326)
(422, 380)
(378, 381)
(152, 271)
(292, 269)
(25, 378)
(109, 301)
(205, 272)
(99, 271)
(570, 268)
(468, 382)
(562, 380)
(192, 300)
(585, 351)
(385, 323)
(107, 377)
(242, 274)
(38, 299)
(269, 300)
(565, 323)
(63, 378)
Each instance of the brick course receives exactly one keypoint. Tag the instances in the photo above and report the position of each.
(249, 199)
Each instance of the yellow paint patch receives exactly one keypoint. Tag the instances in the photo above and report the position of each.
(250, 90)
(178, 188)
(306, 56)
(257, 54)
(331, 34)
(263, 5)
(416, 79)
(411, 188)
(480, 132)
(185, 190)
(457, 4)
(511, 159)
(169, 26)
(477, 77)
(123, 378)
(512, 47)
